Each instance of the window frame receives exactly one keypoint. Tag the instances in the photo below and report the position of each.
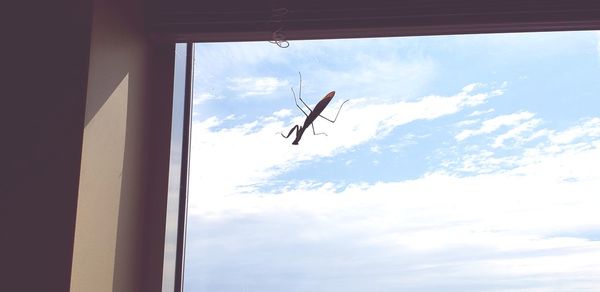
(163, 27)
(179, 166)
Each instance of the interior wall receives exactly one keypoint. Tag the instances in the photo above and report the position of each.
(85, 130)
(119, 233)
(42, 101)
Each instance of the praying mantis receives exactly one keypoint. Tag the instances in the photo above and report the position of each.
(312, 116)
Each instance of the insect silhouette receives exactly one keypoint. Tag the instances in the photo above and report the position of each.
(312, 116)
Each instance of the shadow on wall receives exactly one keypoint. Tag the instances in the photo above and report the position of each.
(124, 169)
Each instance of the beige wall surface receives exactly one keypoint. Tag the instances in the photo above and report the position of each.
(123, 183)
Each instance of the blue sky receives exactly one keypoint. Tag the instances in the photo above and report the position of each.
(467, 162)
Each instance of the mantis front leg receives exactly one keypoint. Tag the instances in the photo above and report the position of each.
(296, 127)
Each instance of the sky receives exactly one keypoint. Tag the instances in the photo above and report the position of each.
(459, 163)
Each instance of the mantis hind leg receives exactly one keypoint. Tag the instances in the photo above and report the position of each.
(296, 127)
(315, 133)
(338, 112)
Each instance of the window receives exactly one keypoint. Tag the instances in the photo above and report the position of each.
(467, 162)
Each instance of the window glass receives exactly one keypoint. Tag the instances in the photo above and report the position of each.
(466, 162)
(177, 130)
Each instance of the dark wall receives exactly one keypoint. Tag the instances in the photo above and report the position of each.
(43, 103)
(45, 65)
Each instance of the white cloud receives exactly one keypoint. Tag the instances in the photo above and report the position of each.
(499, 228)
(218, 58)
(465, 123)
(375, 149)
(493, 124)
(590, 128)
(519, 221)
(283, 113)
(481, 159)
(396, 78)
(203, 96)
(517, 132)
(478, 113)
(521, 46)
(472, 86)
(233, 160)
(540, 178)
(256, 86)
(405, 140)
(352, 74)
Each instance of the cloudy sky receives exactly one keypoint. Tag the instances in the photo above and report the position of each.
(459, 163)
